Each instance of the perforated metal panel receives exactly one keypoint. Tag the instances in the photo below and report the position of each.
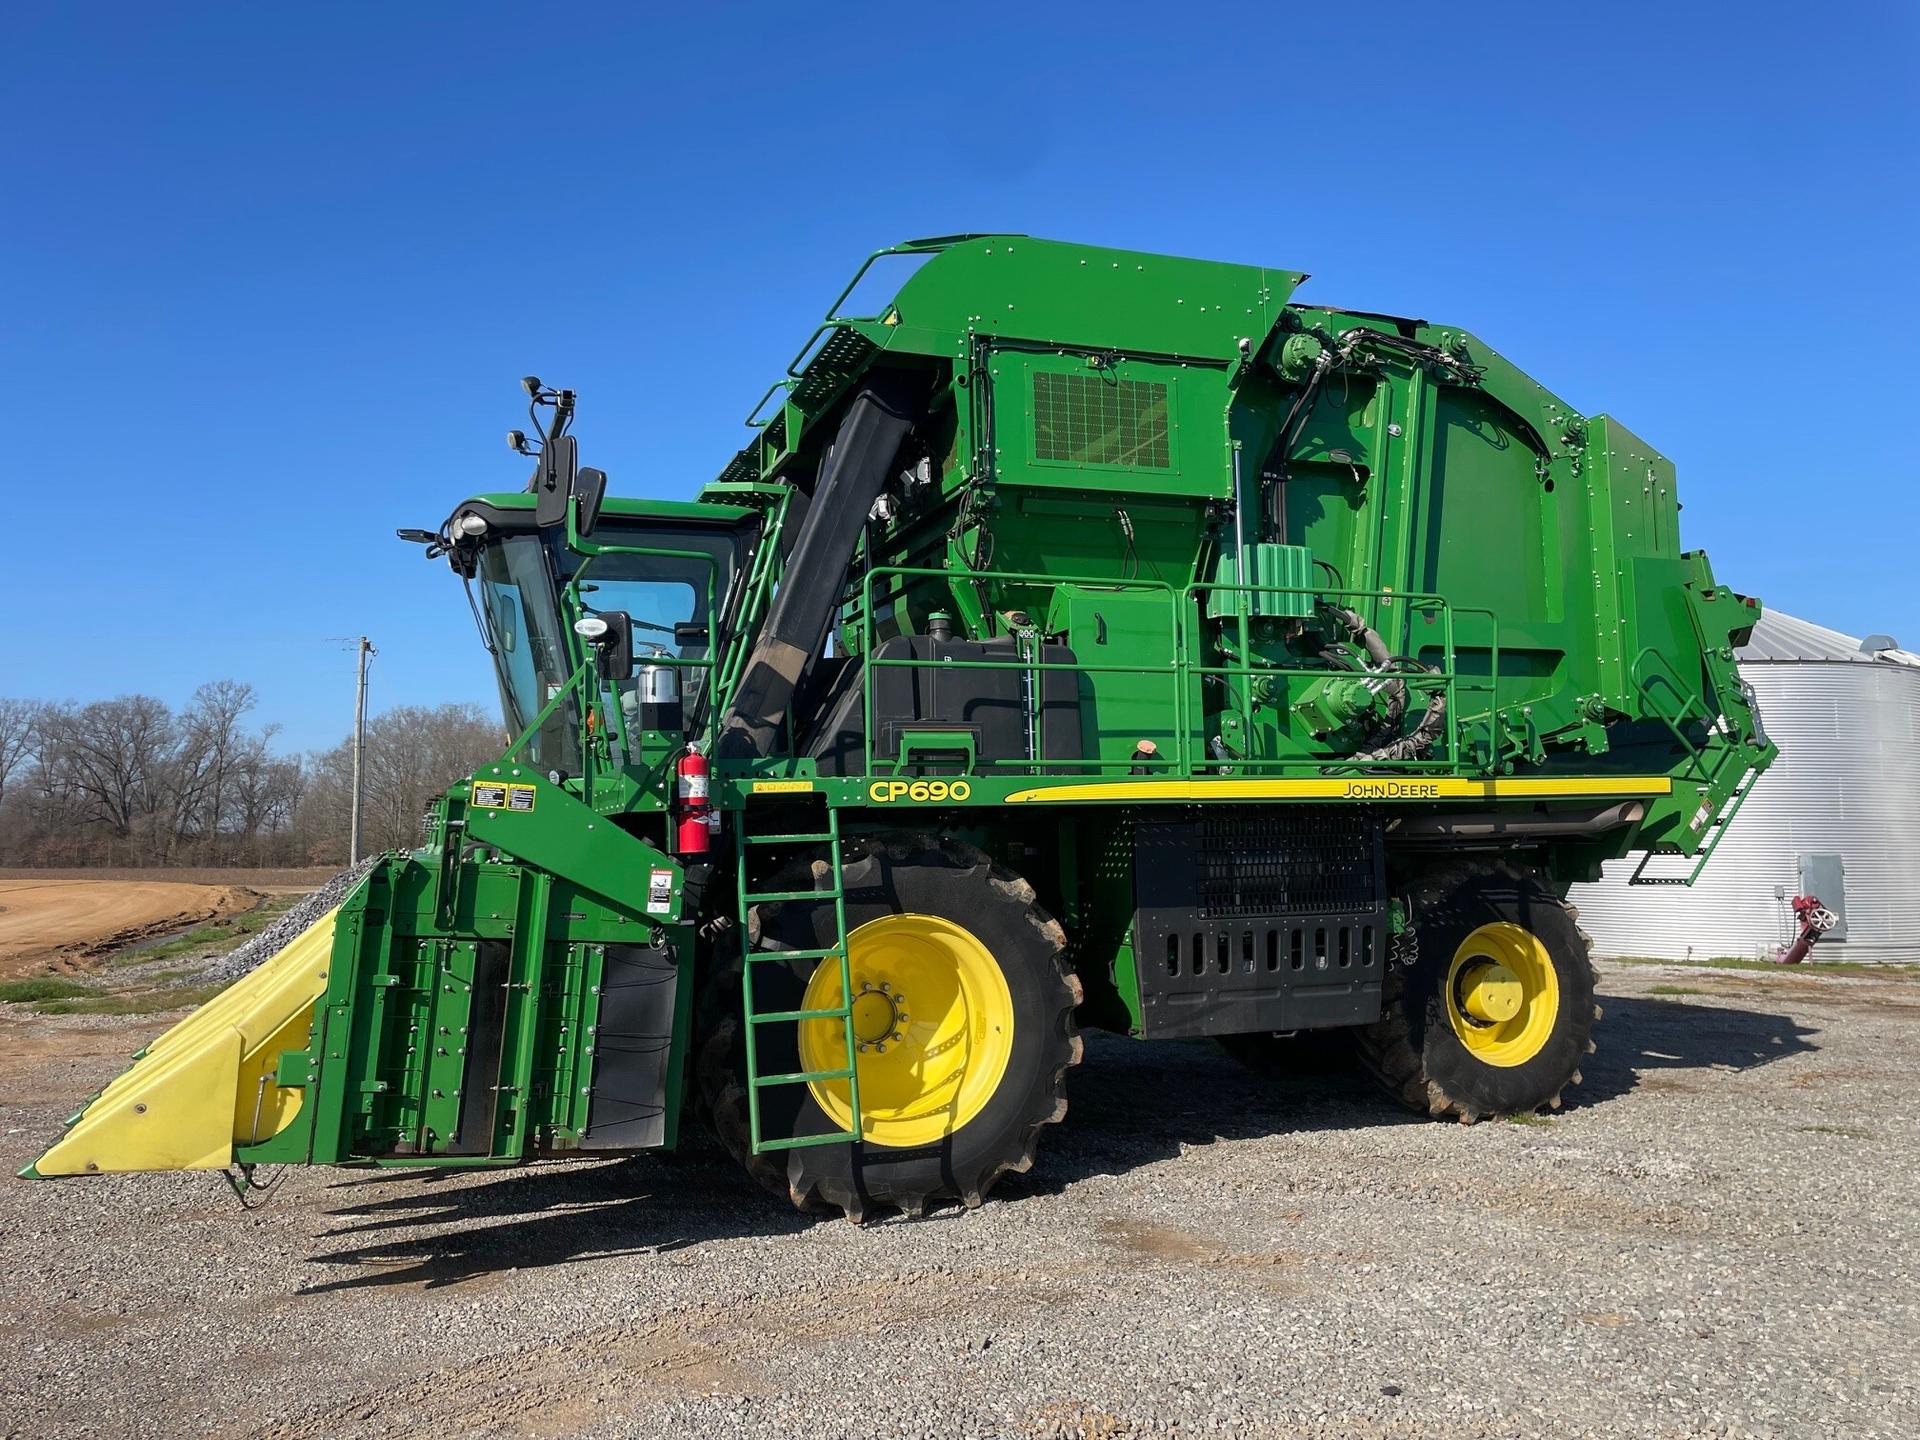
(1096, 419)
(1248, 922)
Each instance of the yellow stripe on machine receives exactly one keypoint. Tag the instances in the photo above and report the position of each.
(207, 1084)
(1358, 787)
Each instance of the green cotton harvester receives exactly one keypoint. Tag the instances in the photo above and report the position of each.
(1084, 639)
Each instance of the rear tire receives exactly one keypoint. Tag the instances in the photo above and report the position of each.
(1492, 1013)
(933, 892)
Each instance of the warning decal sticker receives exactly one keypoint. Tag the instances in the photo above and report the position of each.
(659, 892)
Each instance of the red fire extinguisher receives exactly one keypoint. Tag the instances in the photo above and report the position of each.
(694, 832)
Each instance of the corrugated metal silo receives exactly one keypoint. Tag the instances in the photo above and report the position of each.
(1838, 815)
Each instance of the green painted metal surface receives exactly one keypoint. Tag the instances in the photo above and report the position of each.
(1182, 475)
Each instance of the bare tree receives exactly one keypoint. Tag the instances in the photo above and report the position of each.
(413, 752)
(209, 748)
(19, 729)
(265, 793)
(107, 759)
(128, 781)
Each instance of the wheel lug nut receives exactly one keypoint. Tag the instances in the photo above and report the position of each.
(897, 1035)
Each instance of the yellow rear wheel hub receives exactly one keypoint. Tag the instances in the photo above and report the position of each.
(1502, 994)
(932, 1029)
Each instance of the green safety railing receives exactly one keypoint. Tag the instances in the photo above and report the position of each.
(597, 715)
(1184, 675)
(1726, 800)
(834, 319)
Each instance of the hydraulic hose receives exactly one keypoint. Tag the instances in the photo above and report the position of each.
(1385, 742)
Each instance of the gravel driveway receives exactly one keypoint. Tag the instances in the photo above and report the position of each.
(1715, 1238)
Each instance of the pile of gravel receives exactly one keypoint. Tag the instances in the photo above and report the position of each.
(272, 940)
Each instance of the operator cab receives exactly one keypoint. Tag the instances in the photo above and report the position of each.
(663, 573)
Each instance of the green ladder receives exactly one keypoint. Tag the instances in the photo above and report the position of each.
(756, 1082)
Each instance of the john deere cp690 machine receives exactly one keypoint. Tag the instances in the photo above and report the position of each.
(1085, 639)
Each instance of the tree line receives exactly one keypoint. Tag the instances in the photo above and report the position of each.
(133, 781)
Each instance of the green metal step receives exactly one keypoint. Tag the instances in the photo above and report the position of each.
(798, 1142)
(804, 1077)
(754, 955)
(773, 895)
(777, 1015)
(816, 839)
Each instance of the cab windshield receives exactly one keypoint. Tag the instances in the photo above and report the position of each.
(530, 661)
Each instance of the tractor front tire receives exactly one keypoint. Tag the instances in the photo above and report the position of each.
(1489, 1011)
(963, 1020)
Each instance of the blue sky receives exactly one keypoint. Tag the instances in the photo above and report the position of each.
(269, 274)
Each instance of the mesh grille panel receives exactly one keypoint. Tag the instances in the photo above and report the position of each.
(1302, 863)
(1097, 420)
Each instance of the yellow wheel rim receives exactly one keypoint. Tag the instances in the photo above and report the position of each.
(932, 1026)
(1502, 994)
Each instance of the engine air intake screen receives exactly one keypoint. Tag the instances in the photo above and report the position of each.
(1097, 419)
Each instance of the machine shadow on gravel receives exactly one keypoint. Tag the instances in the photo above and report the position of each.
(1641, 1035)
(438, 1231)
(1132, 1104)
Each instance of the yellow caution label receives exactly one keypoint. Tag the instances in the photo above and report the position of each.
(783, 787)
(491, 795)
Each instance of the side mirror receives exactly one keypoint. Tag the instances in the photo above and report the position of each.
(554, 480)
(610, 632)
(589, 491)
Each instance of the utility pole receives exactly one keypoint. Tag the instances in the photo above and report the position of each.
(365, 649)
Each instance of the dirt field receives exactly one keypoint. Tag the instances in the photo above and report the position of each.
(1719, 1236)
(267, 882)
(50, 924)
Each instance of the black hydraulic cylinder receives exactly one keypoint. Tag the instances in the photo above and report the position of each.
(795, 629)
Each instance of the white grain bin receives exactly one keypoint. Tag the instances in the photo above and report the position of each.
(1838, 816)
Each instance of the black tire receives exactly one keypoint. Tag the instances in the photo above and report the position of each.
(1412, 1050)
(889, 875)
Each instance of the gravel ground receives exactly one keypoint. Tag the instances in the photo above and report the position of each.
(1715, 1238)
(288, 928)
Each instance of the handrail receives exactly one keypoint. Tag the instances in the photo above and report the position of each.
(571, 597)
(833, 318)
(753, 420)
(754, 588)
(1696, 754)
(873, 661)
(560, 692)
(1182, 672)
